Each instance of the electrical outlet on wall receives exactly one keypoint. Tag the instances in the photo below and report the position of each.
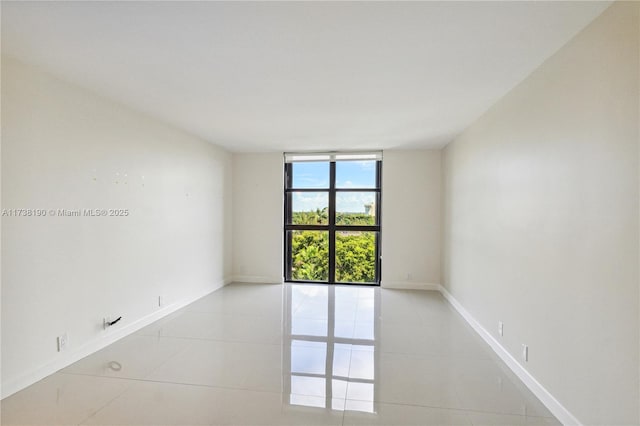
(525, 353)
(500, 328)
(105, 322)
(161, 301)
(63, 342)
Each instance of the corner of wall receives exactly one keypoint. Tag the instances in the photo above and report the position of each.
(556, 408)
(444, 211)
(177, 193)
(409, 285)
(257, 279)
(257, 245)
(32, 376)
(499, 177)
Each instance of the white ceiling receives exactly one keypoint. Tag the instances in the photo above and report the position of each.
(274, 76)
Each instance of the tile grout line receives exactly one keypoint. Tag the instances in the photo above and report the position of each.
(198, 385)
(161, 382)
(206, 339)
(105, 405)
(346, 393)
(189, 342)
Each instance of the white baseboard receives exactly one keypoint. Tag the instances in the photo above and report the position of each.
(410, 285)
(556, 408)
(256, 279)
(27, 379)
(31, 377)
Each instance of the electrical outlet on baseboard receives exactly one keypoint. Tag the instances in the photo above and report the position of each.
(63, 342)
(525, 353)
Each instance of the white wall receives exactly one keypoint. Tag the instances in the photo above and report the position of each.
(541, 220)
(257, 220)
(65, 148)
(411, 225)
(410, 218)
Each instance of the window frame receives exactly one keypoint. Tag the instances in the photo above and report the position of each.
(331, 226)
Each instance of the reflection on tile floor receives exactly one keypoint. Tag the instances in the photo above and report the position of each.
(290, 354)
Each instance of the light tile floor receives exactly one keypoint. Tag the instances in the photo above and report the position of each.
(257, 354)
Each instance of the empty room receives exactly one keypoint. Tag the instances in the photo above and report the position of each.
(320, 212)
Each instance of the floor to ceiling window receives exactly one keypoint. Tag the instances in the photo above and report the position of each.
(332, 217)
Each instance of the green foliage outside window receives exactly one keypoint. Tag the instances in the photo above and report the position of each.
(355, 257)
(320, 217)
(354, 219)
(310, 252)
(317, 217)
(355, 251)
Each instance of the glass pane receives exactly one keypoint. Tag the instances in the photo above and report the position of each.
(355, 174)
(310, 174)
(356, 257)
(310, 255)
(310, 208)
(355, 208)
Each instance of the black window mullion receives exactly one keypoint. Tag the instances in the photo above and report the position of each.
(289, 190)
(288, 265)
(379, 221)
(287, 196)
(357, 189)
(288, 179)
(357, 228)
(332, 222)
(306, 227)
